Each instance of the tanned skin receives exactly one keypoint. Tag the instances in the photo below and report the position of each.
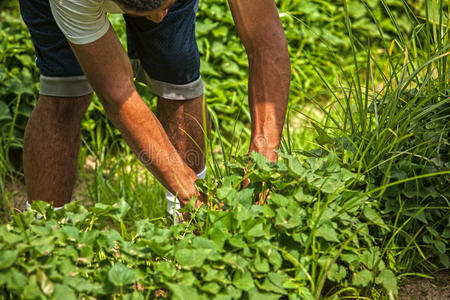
(161, 143)
(51, 145)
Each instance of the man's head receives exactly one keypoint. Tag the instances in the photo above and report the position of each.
(154, 10)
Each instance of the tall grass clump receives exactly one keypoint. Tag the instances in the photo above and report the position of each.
(391, 120)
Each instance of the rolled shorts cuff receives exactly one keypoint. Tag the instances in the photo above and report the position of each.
(167, 90)
(73, 86)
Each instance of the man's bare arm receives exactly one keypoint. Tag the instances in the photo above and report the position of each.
(108, 70)
(259, 27)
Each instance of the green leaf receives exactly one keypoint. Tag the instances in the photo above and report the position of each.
(120, 275)
(192, 257)
(15, 280)
(166, 268)
(275, 258)
(218, 234)
(273, 283)
(63, 292)
(47, 287)
(323, 138)
(202, 28)
(230, 67)
(4, 112)
(306, 294)
(243, 280)
(336, 273)
(388, 280)
(261, 264)
(327, 232)
(362, 278)
(211, 287)
(184, 292)
(255, 294)
(134, 296)
(32, 290)
(256, 231)
(440, 246)
(443, 258)
(278, 199)
(372, 215)
(7, 258)
(295, 167)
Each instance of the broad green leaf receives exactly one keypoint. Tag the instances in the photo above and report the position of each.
(244, 197)
(273, 283)
(243, 280)
(211, 287)
(440, 246)
(15, 280)
(63, 292)
(261, 264)
(230, 67)
(305, 294)
(336, 273)
(218, 235)
(4, 112)
(72, 232)
(255, 294)
(278, 199)
(372, 215)
(9, 237)
(202, 28)
(295, 167)
(215, 275)
(7, 258)
(288, 219)
(47, 287)
(166, 268)
(388, 280)
(256, 231)
(261, 161)
(362, 278)
(32, 290)
(134, 296)
(183, 292)
(192, 257)
(120, 275)
(327, 232)
(275, 258)
(443, 258)
(368, 258)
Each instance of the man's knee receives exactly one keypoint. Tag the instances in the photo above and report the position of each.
(63, 110)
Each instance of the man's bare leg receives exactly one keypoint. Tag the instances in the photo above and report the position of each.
(179, 117)
(51, 145)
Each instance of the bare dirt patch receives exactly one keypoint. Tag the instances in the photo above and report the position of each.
(427, 289)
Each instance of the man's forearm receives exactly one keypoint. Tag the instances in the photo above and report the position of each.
(147, 138)
(268, 98)
(109, 72)
(259, 27)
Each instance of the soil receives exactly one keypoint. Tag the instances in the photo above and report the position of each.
(427, 289)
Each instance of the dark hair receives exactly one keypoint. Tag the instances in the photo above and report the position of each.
(141, 5)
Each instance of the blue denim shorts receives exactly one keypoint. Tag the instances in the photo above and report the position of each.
(163, 55)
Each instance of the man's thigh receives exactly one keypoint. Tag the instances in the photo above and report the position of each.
(61, 75)
(165, 55)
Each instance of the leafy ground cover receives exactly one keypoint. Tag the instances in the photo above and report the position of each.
(358, 201)
(311, 234)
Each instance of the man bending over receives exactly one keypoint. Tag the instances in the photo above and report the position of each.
(78, 52)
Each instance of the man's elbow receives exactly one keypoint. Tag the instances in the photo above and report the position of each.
(113, 97)
(274, 49)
